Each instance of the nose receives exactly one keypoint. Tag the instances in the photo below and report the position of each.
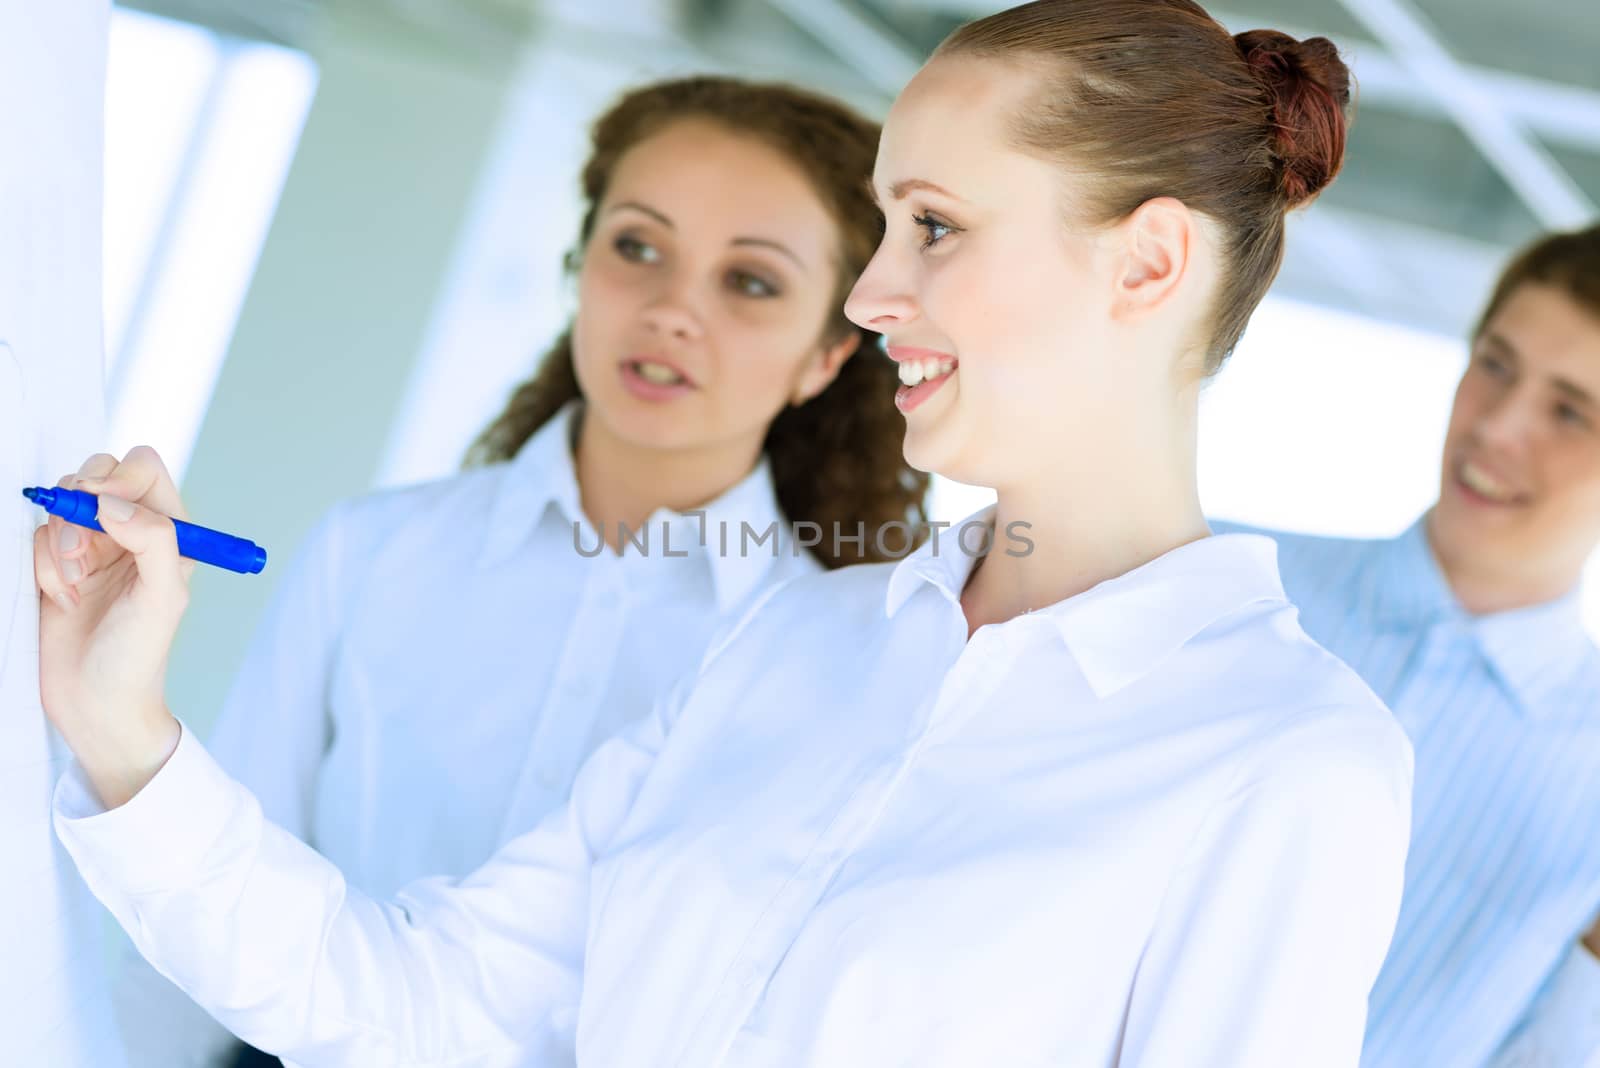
(880, 300)
(672, 315)
(1503, 425)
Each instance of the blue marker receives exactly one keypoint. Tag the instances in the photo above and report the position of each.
(197, 543)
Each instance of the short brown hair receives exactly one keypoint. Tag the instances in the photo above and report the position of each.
(1154, 98)
(1568, 261)
(837, 460)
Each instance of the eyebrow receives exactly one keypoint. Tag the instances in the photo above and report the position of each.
(776, 246)
(1573, 391)
(900, 189)
(1499, 342)
(1564, 386)
(759, 242)
(636, 206)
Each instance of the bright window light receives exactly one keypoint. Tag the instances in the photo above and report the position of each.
(1327, 422)
(218, 201)
(157, 75)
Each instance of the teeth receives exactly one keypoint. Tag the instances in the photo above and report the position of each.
(1480, 481)
(659, 375)
(913, 372)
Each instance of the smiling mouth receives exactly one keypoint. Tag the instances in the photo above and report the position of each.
(1485, 484)
(916, 372)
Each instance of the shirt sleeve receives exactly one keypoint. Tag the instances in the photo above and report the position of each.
(266, 935)
(272, 735)
(1562, 1027)
(1274, 927)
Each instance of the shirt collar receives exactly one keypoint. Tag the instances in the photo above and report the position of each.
(938, 562)
(738, 565)
(1536, 650)
(1123, 628)
(1532, 650)
(544, 474)
(541, 474)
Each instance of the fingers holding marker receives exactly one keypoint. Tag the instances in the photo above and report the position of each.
(119, 486)
(59, 545)
(150, 538)
(47, 572)
(99, 465)
(140, 478)
(115, 509)
(76, 552)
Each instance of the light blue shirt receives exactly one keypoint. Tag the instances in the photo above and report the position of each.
(1503, 712)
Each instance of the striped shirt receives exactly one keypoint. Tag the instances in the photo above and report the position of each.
(1503, 711)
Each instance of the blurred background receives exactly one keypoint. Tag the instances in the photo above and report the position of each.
(334, 231)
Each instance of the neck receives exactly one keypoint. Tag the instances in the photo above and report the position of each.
(622, 483)
(1486, 586)
(1086, 526)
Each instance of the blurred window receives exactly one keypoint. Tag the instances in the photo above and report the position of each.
(200, 132)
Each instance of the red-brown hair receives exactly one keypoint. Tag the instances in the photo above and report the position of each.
(1154, 98)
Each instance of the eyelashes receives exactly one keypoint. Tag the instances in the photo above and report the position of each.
(634, 250)
(934, 229)
(751, 285)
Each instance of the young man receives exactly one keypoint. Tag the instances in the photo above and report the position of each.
(1468, 626)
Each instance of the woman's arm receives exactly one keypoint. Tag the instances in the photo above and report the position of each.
(250, 921)
(266, 935)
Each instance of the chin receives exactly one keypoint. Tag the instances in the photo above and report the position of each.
(925, 452)
(1476, 537)
(640, 424)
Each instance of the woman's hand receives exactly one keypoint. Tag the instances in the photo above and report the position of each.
(110, 609)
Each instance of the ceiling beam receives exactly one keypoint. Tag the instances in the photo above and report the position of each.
(872, 50)
(1527, 166)
(1560, 114)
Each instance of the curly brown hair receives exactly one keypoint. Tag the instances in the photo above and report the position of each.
(836, 460)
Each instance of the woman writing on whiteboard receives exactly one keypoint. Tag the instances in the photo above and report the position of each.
(1099, 803)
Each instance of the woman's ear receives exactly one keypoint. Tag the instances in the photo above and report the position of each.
(823, 367)
(1157, 242)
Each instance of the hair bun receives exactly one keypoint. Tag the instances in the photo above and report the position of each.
(1309, 86)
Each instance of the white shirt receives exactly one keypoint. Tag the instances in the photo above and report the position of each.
(442, 658)
(1151, 825)
(439, 660)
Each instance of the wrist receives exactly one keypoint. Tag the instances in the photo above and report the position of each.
(120, 760)
(1591, 941)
